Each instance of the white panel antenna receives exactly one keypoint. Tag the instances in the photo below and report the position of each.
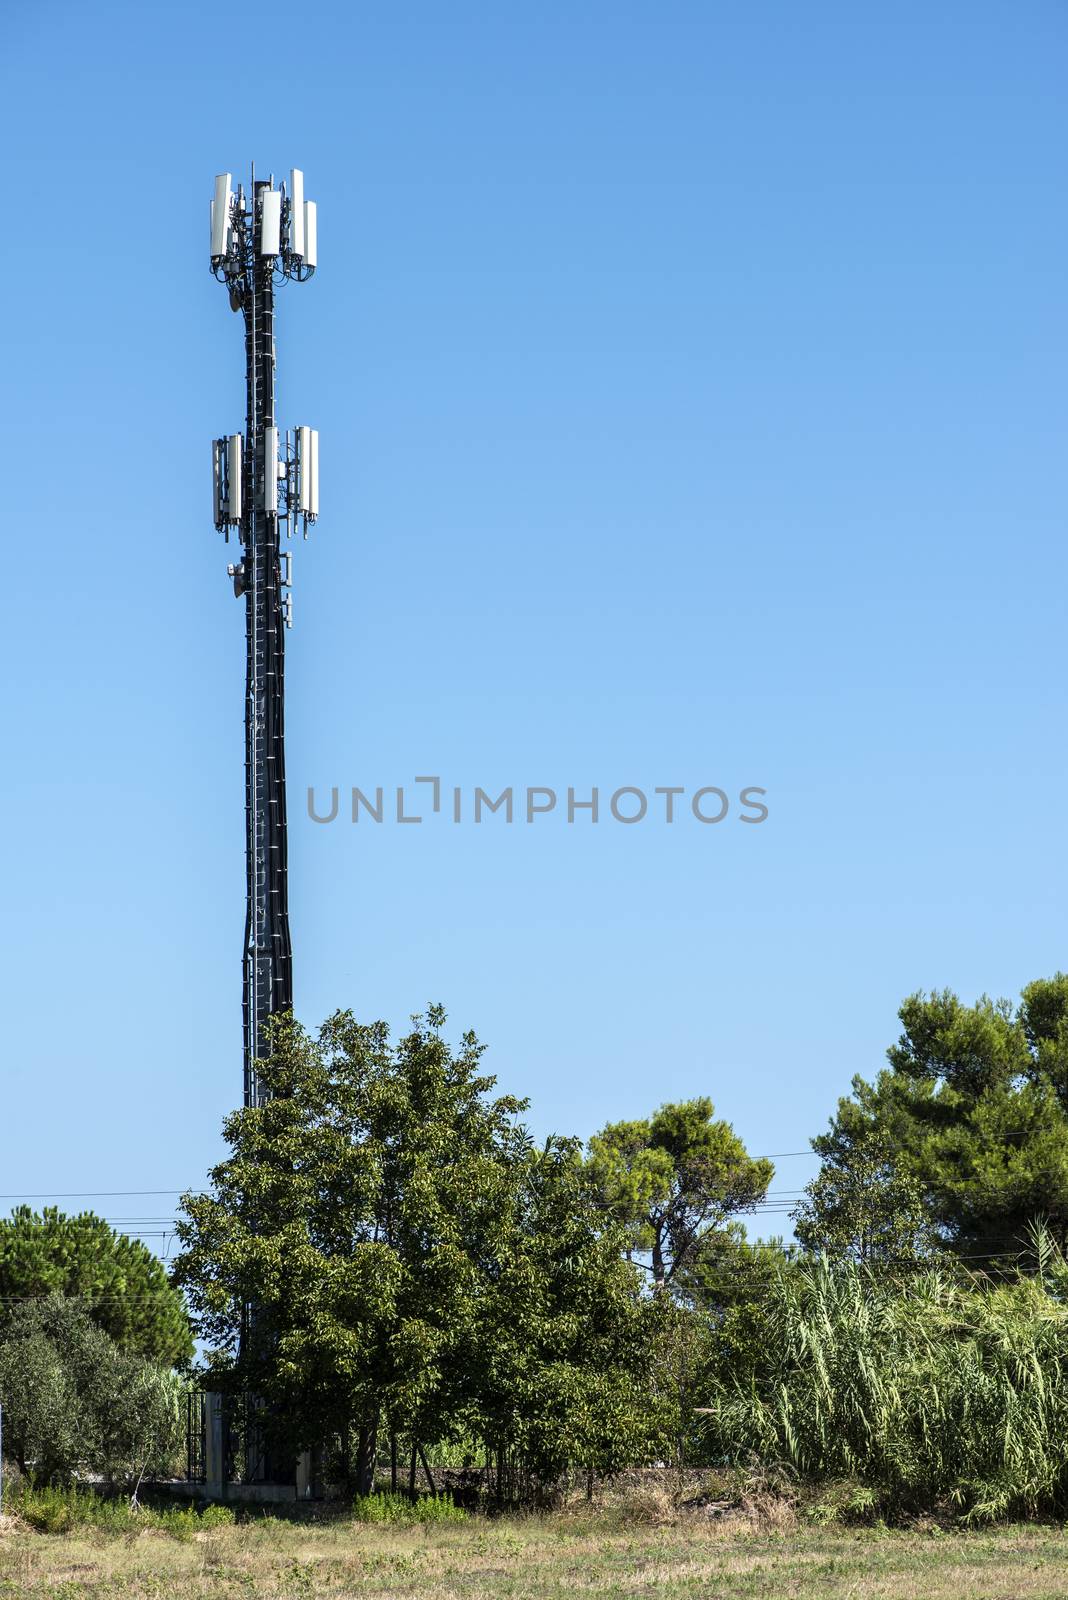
(271, 222)
(304, 456)
(313, 487)
(218, 480)
(270, 469)
(310, 240)
(296, 212)
(233, 477)
(220, 217)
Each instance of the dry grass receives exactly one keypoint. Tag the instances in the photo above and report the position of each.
(581, 1557)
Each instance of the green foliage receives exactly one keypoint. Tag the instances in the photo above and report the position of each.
(962, 1140)
(216, 1517)
(867, 1205)
(843, 1501)
(400, 1511)
(52, 1509)
(73, 1401)
(416, 1263)
(731, 1273)
(725, 1324)
(122, 1283)
(675, 1180)
(565, 1344)
(934, 1394)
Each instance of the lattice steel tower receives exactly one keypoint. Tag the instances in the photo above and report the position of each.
(264, 484)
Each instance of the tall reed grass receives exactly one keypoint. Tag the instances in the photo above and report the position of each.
(933, 1392)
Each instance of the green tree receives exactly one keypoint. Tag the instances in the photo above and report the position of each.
(675, 1180)
(123, 1285)
(565, 1350)
(74, 1402)
(865, 1205)
(971, 1114)
(720, 1316)
(415, 1263)
(728, 1287)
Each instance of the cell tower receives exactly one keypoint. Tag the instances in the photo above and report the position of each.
(264, 483)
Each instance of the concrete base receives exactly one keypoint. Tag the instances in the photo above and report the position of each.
(257, 1494)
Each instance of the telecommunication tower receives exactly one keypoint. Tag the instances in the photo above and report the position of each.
(265, 483)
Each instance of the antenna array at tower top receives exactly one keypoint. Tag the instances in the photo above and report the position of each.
(270, 223)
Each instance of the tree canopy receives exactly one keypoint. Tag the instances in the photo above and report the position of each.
(73, 1401)
(961, 1141)
(415, 1261)
(866, 1204)
(121, 1284)
(675, 1181)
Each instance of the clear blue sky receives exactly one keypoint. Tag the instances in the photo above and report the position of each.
(691, 382)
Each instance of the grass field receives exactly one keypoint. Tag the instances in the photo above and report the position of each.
(544, 1559)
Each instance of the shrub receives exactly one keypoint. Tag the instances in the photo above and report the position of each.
(217, 1517)
(49, 1509)
(399, 1510)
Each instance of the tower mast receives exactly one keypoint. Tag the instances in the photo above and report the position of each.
(263, 488)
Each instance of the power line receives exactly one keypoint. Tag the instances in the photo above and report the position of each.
(190, 1189)
(741, 1274)
(93, 1194)
(120, 1194)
